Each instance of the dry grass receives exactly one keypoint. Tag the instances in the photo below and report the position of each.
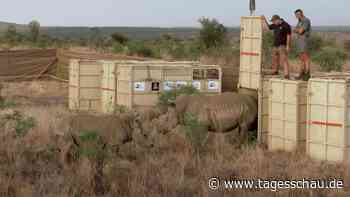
(43, 163)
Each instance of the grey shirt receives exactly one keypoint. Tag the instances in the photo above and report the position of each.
(304, 23)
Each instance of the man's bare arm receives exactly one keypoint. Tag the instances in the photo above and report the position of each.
(267, 25)
(289, 42)
(300, 30)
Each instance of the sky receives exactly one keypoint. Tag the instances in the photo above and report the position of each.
(166, 13)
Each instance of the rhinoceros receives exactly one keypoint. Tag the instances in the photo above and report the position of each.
(220, 113)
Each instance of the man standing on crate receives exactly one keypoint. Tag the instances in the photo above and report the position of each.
(282, 44)
(303, 31)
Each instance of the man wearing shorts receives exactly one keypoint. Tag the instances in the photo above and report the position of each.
(281, 46)
(303, 31)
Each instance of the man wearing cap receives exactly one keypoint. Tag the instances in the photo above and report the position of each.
(303, 31)
(281, 46)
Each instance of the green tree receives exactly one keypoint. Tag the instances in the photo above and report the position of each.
(330, 59)
(139, 48)
(213, 34)
(44, 41)
(120, 38)
(96, 40)
(166, 37)
(316, 43)
(347, 45)
(34, 27)
(11, 35)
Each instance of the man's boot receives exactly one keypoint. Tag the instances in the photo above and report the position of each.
(307, 76)
(300, 76)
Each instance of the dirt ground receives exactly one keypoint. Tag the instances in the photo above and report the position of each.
(132, 154)
(43, 92)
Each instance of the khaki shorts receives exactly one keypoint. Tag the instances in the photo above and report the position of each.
(302, 44)
(280, 51)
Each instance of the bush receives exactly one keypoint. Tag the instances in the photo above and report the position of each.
(195, 131)
(140, 49)
(212, 34)
(6, 104)
(174, 48)
(315, 43)
(347, 45)
(192, 50)
(118, 48)
(120, 38)
(330, 59)
(168, 98)
(90, 145)
(22, 124)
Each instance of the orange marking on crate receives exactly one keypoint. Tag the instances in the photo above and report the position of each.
(327, 123)
(108, 89)
(249, 54)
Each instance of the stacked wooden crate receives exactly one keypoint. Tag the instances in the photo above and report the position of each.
(102, 85)
(287, 115)
(328, 133)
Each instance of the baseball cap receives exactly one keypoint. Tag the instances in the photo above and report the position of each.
(275, 17)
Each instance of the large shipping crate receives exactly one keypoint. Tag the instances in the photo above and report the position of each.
(102, 85)
(207, 79)
(85, 85)
(287, 115)
(263, 108)
(329, 119)
(251, 52)
(263, 111)
(108, 86)
(139, 85)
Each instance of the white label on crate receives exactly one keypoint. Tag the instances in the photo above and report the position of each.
(196, 84)
(180, 84)
(213, 85)
(168, 85)
(139, 86)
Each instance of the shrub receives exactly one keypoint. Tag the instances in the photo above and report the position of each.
(119, 38)
(90, 145)
(315, 44)
(212, 34)
(168, 97)
(347, 45)
(139, 48)
(6, 104)
(22, 124)
(195, 130)
(330, 59)
(192, 50)
(118, 48)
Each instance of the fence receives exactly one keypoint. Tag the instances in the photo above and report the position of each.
(64, 57)
(26, 64)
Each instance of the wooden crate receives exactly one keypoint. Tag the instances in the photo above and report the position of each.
(328, 133)
(250, 52)
(85, 85)
(108, 86)
(140, 85)
(263, 111)
(287, 115)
